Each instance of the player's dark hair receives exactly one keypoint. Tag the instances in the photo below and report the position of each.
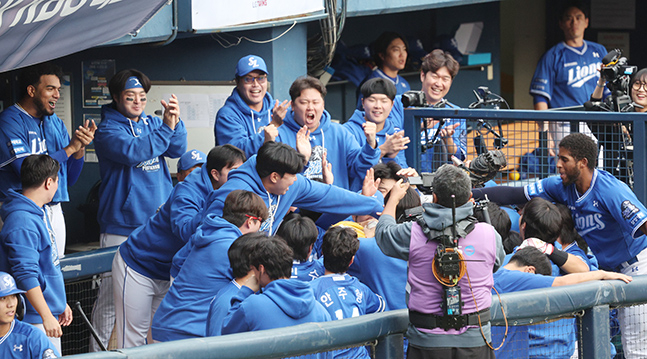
(499, 218)
(542, 220)
(224, 156)
(451, 180)
(36, 169)
(387, 170)
(31, 75)
(581, 146)
(512, 241)
(280, 158)
(239, 250)
(118, 81)
(382, 43)
(378, 86)
(339, 246)
(568, 233)
(438, 59)
(576, 4)
(410, 200)
(531, 256)
(299, 233)
(304, 83)
(240, 204)
(275, 255)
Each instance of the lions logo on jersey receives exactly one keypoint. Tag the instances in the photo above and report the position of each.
(151, 165)
(49, 354)
(628, 209)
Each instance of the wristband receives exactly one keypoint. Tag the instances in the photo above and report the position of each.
(598, 85)
(558, 257)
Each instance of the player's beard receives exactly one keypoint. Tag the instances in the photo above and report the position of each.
(42, 109)
(571, 177)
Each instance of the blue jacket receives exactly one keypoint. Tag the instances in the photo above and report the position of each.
(239, 125)
(349, 158)
(282, 303)
(303, 194)
(25, 135)
(29, 253)
(183, 311)
(354, 126)
(149, 250)
(386, 276)
(219, 307)
(135, 180)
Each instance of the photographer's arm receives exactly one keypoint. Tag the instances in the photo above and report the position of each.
(501, 194)
(598, 93)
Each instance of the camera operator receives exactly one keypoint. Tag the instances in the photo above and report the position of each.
(615, 137)
(449, 315)
(437, 74)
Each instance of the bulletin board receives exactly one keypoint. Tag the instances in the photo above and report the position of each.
(199, 103)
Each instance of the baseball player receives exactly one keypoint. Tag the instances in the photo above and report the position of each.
(188, 162)
(568, 73)
(19, 340)
(607, 215)
(250, 116)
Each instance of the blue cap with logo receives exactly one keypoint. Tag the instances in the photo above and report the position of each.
(250, 63)
(8, 285)
(190, 159)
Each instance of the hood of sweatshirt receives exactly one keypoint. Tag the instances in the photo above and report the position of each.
(295, 298)
(438, 217)
(240, 105)
(16, 202)
(214, 228)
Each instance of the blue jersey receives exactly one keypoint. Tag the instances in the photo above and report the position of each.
(24, 135)
(26, 341)
(346, 297)
(308, 270)
(608, 216)
(566, 76)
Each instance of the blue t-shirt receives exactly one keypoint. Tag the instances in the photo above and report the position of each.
(608, 216)
(26, 341)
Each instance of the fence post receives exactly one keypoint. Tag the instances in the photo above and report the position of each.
(595, 333)
(390, 347)
(412, 130)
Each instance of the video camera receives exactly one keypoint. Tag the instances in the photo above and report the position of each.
(482, 169)
(617, 74)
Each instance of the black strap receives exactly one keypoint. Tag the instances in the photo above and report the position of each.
(446, 322)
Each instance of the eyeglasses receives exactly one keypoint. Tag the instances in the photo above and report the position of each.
(252, 217)
(259, 79)
(637, 85)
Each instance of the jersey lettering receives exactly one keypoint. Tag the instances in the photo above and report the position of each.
(581, 74)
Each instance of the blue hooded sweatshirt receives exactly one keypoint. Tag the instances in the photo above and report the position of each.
(304, 193)
(149, 250)
(282, 303)
(25, 135)
(183, 311)
(349, 159)
(239, 125)
(354, 126)
(135, 180)
(29, 253)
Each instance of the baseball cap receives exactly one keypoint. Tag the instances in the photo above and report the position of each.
(8, 285)
(250, 63)
(190, 159)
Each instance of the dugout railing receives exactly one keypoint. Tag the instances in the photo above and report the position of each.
(589, 303)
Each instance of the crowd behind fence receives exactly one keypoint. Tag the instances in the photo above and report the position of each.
(587, 305)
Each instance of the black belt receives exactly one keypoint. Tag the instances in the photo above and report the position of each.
(446, 322)
(623, 266)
